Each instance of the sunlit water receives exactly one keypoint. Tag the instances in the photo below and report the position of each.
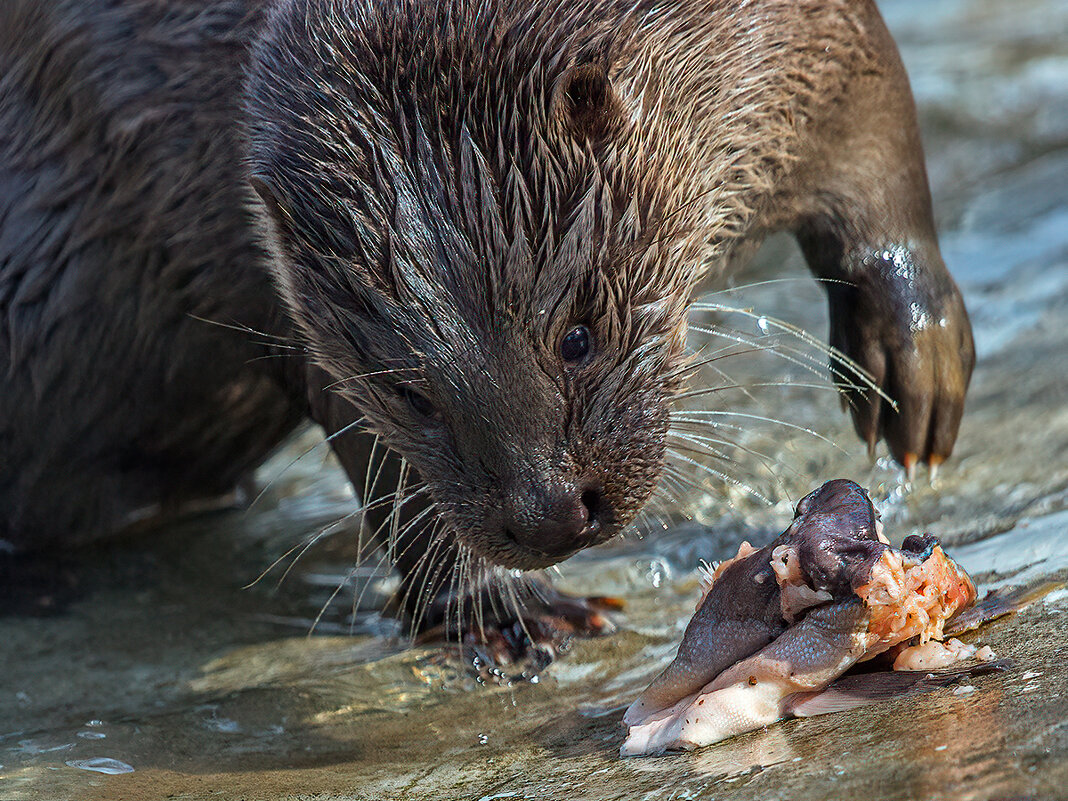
(167, 679)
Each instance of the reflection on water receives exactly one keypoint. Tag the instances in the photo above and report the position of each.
(167, 667)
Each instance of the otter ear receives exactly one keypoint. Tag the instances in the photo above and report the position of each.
(585, 99)
(275, 222)
(277, 219)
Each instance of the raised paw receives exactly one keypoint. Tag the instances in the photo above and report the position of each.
(907, 327)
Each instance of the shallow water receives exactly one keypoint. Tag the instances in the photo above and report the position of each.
(163, 677)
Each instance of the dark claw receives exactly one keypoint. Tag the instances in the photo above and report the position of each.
(498, 637)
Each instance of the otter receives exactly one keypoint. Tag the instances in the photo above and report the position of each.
(465, 234)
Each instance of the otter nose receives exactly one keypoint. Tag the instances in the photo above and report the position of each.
(554, 518)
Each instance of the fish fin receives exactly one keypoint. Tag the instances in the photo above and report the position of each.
(863, 689)
(998, 603)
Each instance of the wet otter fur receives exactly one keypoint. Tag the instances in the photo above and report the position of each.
(484, 223)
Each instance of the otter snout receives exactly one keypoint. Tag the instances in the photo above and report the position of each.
(553, 518)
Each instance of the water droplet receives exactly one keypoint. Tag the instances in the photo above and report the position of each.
(112, 767)
(762, 324)
(509, 794)
(224, 725)
(657, 573)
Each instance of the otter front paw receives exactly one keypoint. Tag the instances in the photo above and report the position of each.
(907, 327)
(529, 623)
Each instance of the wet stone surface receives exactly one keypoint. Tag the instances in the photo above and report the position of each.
(150, 672)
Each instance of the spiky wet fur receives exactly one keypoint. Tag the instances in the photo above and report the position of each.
(441, 219)
(441, 210)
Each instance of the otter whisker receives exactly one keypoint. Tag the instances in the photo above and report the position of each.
(434, 555)
(771, 343)
(697, 393)
(464, 590)
(538, 590)
(388, 498)
(701, 449)
(699, 430)
(454, 586)
(835, 354)
(307, 543)
(370, 482)
(748, 416)
(476, 601)
(501, 580)
(730, 290)
(719, 426)
(326, 604)
(383, 561)
(657, 511)
(725, 352)
(787, 353)
(266, 356)
(495, 579)
(679, 452)
(447, 555)
(386, 556)
(769, 463)
(657, 514)
(398, 501)
(363, 376)
(310, 540)
(725, 478)
(518, 605)
(710, 441)
(663, 505)
(299, 457)
(392, 554)
(280, 341)
(682, 481)
(667, 492)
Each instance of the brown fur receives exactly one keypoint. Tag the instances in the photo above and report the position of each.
(451, 187)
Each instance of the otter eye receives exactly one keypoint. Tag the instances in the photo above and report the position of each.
(419, 403)
(576, 344)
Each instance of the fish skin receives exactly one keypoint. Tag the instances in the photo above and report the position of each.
(742, 664)
(834, 535)
(755, 691)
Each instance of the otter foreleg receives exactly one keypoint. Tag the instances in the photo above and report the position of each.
(866, 228)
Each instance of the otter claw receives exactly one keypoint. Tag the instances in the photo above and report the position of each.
(550, 620)
(932, 466)
(909, 463)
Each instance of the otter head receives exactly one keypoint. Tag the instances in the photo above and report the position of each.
(465, 256)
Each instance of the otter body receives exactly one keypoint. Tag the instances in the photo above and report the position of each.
(122, 221)
(469, 228)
